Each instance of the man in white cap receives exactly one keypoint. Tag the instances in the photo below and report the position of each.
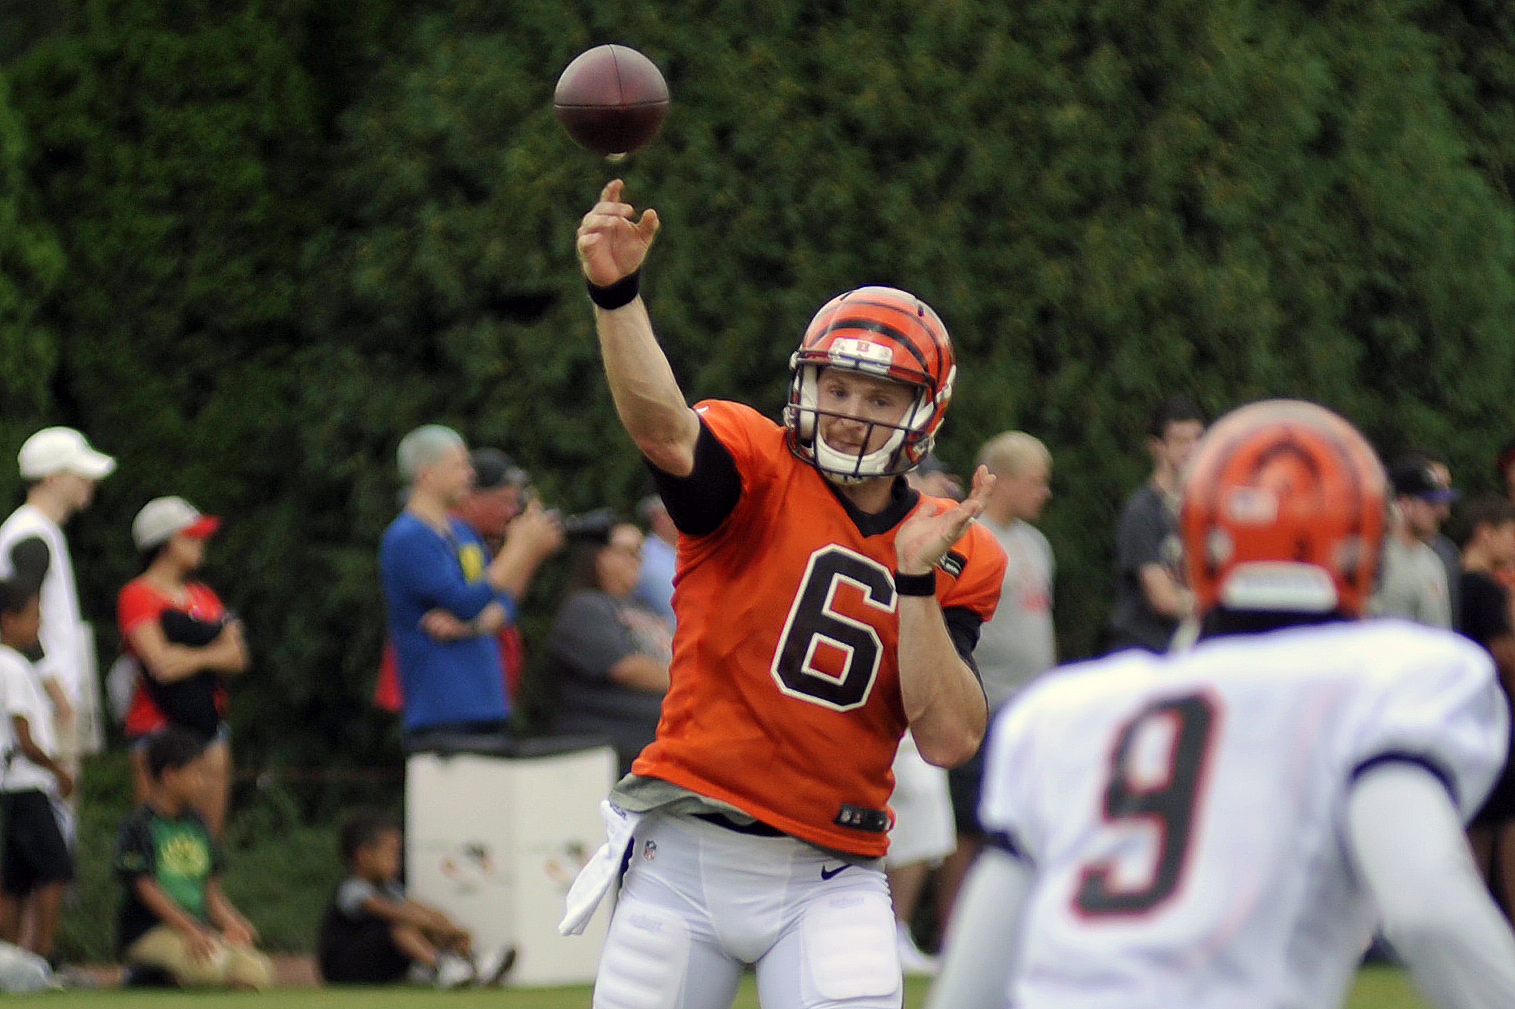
(61, 470)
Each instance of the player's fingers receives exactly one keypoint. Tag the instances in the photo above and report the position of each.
(605, 215)
(983, 482)
(612, 190)
(648, 225)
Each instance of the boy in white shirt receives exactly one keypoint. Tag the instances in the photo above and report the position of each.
(35, 864)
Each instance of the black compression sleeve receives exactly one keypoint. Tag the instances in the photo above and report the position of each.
(700, 502)
(963, 626)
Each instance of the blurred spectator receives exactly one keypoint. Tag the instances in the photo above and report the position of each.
(183, 643)
(1150, 598)
(1504, 469)
(35, 864)
(498, 495)
(607, 654)
(446, 599)
(1488, 527)
(497, 506)
(923, 833)
(61, 470)
(375, 933)
(175, 919)
(1018, 643)
(655, 583)
(921, 837)
(1412, 580)
(1446, 548)
(1505, 473)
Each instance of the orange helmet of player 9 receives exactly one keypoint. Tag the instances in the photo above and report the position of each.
(1285, 506)
(887, 333)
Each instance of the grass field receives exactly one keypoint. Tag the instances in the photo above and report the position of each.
(1377, 988)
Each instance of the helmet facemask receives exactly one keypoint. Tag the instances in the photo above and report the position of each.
(884, 333)
(906, 445)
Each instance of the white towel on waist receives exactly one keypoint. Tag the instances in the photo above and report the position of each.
(601, 871)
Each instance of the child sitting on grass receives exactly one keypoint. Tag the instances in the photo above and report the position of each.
(175, 919)
(372, 933)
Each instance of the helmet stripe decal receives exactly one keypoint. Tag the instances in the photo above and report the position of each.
(924, 316)
(1327, 485)
(882, 328)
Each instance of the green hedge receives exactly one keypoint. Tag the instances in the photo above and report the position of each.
(251, 244)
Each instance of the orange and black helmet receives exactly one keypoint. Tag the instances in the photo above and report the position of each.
(1285, 507)
(880, 331)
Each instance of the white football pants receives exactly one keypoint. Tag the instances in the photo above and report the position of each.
(699, 902)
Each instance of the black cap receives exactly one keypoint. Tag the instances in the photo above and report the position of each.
(1415, 478)
(493, 468)
(591, 527)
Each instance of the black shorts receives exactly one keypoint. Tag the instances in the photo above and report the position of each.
(32, 853)
(1499, 807)
(964, 782)
(360, 951)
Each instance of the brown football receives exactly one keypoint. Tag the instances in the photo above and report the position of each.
(611, 100)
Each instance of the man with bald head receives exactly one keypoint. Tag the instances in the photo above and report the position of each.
(1018, 642)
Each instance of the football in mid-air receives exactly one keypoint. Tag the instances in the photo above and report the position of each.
(611, 100)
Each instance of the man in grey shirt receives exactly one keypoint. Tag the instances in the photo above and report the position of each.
(1150, 599)
(1018, 644)
(1413, 580)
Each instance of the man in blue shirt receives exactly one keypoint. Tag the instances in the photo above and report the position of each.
(445, 597)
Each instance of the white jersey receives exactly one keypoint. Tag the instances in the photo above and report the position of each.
(21, 695)
(60, 598)
(67, 641)
(1184, 813)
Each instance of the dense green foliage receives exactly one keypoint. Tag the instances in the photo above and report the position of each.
(250, 243)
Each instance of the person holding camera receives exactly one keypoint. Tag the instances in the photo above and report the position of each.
(446, 597)
(607, 653)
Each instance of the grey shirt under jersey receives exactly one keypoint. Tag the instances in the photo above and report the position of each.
(1018, 643)
(1412, 583)
(1147, 534)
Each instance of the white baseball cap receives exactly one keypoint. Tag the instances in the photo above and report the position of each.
(62, 450)
(163, 518)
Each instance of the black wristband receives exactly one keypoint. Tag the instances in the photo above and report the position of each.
(915, 585)
(618, 295)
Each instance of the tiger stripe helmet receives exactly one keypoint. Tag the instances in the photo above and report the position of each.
(880, 331)
(1285, 507)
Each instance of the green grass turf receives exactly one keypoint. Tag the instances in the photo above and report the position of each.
(1377, 988)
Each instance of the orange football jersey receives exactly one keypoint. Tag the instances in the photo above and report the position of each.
(784, 694)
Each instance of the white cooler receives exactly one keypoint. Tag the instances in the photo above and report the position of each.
(495, 840)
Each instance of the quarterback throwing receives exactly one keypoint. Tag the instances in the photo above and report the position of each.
(823, 607)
